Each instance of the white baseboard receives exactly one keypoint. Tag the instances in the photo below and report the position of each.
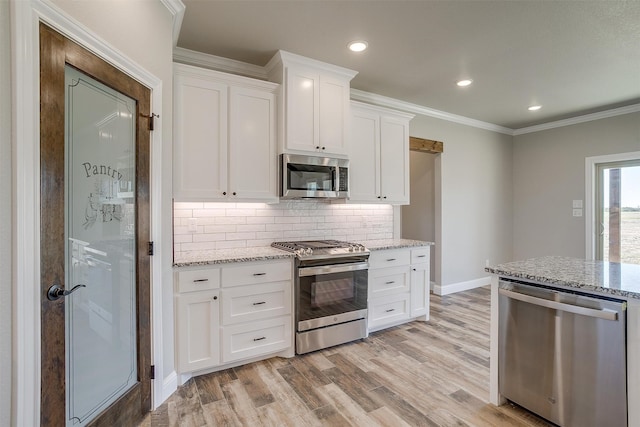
(460, 286)
(169, 386)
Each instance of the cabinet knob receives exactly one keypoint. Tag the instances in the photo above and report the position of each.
(215, 298)
(224, 193)
(379, 197)
(234, 193)
(414, 269)
(317, 147)
(384, 197)
(323, 148)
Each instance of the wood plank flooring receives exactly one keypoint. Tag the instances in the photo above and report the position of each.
(432, 373)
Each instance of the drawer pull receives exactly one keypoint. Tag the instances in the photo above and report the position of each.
(260, 339)
(259, 303)
(421, 256)
(200, 280)
(390, 283)
(390, 310)
(259, 274)
(391, 259)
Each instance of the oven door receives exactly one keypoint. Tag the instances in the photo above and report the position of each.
(331, 294)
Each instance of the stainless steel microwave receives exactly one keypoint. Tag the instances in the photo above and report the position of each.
(308, 177)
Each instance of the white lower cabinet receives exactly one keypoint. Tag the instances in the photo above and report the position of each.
(234, 312)
(398, 286)
(198, 330)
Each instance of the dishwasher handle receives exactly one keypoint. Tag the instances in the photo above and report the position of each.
(603, 313)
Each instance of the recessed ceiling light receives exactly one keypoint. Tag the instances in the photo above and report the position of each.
(534, 107)
(358, 46)
(464, 83)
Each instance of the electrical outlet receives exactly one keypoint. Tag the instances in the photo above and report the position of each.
(192, 225)
(577, 204)
(577, 212)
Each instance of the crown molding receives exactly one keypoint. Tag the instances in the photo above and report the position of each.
(284, 57)
(177, 8)
(199, 59)
(580, 119)
(218, 63)
(384, 101)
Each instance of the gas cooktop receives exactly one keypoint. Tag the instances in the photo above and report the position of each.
(322, 248)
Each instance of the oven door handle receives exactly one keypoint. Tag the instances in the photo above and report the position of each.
(328, 269)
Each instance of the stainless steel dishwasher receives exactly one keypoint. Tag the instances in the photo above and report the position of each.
(562, 355)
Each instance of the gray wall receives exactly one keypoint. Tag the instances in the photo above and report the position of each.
(419, 218)
(549, 172)
(5, 217)
(473, 199)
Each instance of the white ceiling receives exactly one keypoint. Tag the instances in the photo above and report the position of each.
(572, 57)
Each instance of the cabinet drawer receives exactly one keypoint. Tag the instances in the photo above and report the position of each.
(387, 281)
(389, 258)
(420, 255)
(387, 310)
(256, 338)
(198, 280)
(255, 302)
(253, 273)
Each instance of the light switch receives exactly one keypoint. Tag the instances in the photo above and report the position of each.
(192, 225)
(577, 212)
(577, 204)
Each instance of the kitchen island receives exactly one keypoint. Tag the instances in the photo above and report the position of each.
(598, 278)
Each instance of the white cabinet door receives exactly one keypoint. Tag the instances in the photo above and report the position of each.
(379, 155)
(420, 287)
(252, 149)
(364, 160)
(334, 115)
(198, 330)
(316, 109)
(301, 110)
(394, 160)
(200, 138)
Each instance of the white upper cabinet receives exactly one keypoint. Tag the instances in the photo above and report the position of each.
(379, 155)
(315, 111)
(224, 137)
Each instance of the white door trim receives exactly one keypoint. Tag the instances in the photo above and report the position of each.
(25, 18)
(591, 228)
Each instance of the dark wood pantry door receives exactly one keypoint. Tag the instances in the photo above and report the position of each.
(94, 193)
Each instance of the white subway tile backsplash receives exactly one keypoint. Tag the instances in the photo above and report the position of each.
(239, 225)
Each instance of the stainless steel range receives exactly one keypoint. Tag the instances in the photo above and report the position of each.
(330, 292)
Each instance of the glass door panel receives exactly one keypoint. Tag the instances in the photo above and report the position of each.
(100, 233)
(619, 212)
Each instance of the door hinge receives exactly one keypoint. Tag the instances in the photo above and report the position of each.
(152, 374)
(151, 248)
(152, 120)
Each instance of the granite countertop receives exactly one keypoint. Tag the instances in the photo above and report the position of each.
(598, 276)
(224, 256)
(377, 245)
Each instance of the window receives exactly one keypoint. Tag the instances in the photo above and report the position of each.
(613, 228)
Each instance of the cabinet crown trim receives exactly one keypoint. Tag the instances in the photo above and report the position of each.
(287, 58)
(229, 79)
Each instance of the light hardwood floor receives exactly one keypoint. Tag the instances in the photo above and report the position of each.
(432, 373)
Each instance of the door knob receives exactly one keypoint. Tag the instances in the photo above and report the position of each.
(56, 292)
